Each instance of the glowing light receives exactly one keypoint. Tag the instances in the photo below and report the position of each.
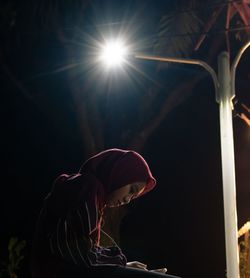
(244, 229)
(113, 53)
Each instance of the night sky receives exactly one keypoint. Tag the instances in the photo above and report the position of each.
(178, 225)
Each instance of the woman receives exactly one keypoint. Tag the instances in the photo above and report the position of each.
(67, 238)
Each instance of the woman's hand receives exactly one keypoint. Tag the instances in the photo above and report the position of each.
(136, 264)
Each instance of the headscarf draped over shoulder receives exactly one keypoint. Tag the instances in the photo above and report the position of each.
(98, 176)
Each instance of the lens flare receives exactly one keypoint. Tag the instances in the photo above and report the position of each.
(113, 53)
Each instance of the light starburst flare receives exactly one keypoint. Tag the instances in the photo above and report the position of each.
(113, 53)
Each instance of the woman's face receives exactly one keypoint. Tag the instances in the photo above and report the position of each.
(125, 194)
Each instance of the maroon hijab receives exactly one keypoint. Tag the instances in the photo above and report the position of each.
(112, 169)
(99, 175)
(115, 168)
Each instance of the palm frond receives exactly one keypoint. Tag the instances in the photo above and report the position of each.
(176, 34)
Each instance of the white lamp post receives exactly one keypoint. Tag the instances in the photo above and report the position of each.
(224, 84)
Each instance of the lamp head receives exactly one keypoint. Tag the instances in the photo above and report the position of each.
(113, 53)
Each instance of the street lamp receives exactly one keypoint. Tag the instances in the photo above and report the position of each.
(224, 84)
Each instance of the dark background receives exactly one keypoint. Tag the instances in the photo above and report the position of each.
(180, 224)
